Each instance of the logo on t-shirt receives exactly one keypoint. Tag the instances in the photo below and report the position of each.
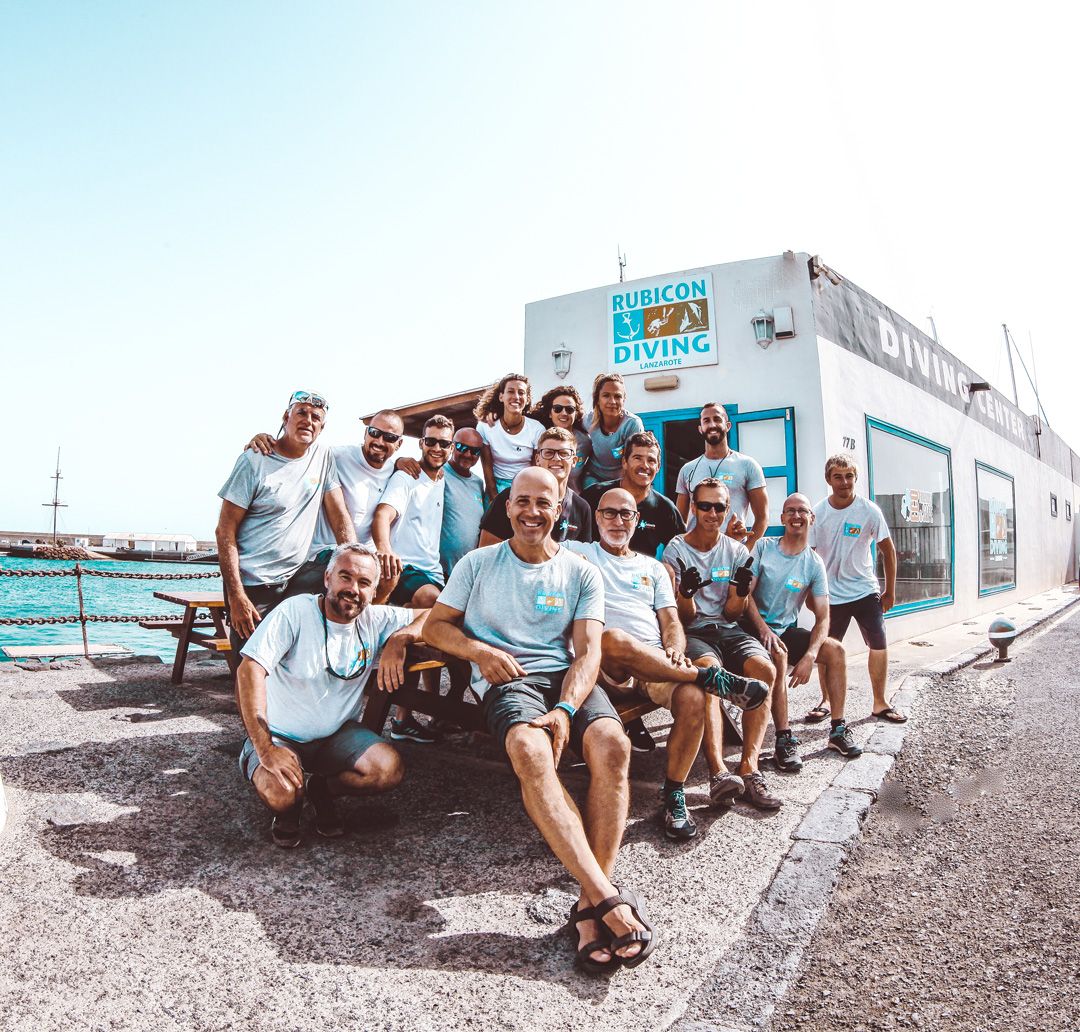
(549, 603)
(641, 582)
(794, 584)
(616, 453)
(721, 573)
(852, 529)
(579, 460)
(646, 525)
(727, 476)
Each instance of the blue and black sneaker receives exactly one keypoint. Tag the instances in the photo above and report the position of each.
(745, 692)
(786, 752)
(678, 824)
(843, 741)
(411, 730)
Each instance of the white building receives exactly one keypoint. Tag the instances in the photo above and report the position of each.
(130, 542)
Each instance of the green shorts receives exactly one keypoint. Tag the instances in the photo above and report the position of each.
(410, 582)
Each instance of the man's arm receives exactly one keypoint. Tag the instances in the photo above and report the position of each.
(380, 535)
(672, 636)
(392, 658)
(487, 464)
(243, 616)
(819, 606)
(442, 631)
(338, 516)
(682, 503)
(251, 701)
(759, 506)
(765, 633)
(888, 554)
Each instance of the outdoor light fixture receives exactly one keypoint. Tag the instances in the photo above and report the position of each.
(1002, 634)
(979, 385)
(763, 328)
(562, 356)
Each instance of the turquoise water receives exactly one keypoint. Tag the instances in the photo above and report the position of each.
(57, 596)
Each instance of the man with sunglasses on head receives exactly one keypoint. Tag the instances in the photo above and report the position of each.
(555, 452)
(407, 529)
(300, 687)
(711, 573)
(269, 509)
(643, 650)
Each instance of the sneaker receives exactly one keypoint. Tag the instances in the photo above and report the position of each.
(745, 692)
(757, 792)
(327, 822)
(678, 824)
(285, 828)
(842, 740)
(786, 754)
(640, 739)
(410, 730)
(725, 788)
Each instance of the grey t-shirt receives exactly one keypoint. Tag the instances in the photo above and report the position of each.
(843, 538)
(716, 567)
(607, 449)
(463, 506)
(784, 581)
(739, 473)
(283, 498)
(525, 609)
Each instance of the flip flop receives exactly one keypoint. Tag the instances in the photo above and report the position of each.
(892, 715)
(584, 956)
(645, 935)
(817, 714)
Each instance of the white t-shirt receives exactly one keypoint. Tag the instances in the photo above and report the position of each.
(361, 483)
(510, 453)
(303, 700)
(843, 538)
(414, 535)
(636, 588)
(739, 473)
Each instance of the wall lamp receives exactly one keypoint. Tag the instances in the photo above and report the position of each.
(562, 356)
(979, 385)
(763, 328)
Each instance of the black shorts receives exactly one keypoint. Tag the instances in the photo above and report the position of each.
(868, 615)
(730, 644)
(526, 698)
(308, 580)
(796, 640)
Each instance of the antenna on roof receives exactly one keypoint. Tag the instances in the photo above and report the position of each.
(622, 262)
(55, 504)
(1011, 345)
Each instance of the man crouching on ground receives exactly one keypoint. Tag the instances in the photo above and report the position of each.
(529, 615)
(299, 689)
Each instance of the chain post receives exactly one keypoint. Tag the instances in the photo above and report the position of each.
(82, 612)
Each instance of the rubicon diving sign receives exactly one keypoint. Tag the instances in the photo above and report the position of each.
(662, 324)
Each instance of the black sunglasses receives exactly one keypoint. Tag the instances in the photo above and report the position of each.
(376, 433)
(470, 448)
(564, 408)
(711, 506)
(435, 442)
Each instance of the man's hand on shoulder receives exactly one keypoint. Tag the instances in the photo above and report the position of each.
(408, 465)
(497, 667)
(261, 443)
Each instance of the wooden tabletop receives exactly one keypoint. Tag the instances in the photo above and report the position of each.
(203, 599)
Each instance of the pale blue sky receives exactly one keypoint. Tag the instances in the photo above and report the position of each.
(208, 205)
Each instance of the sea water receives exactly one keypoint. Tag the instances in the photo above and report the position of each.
(58, 596)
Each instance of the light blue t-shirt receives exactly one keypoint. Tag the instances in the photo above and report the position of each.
(715, 567)
(784, 581)
(463, 507)
(739, 473)
(843, 538)
(526, 609)
(607, 449)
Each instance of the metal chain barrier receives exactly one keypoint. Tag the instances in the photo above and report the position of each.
(109, 573)
(27, 621)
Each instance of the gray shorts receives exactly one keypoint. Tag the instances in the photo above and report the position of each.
(731, 645)
(526, 698)
(327, 756)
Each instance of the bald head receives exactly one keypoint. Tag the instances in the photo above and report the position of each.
(797, 515)
(534, 480)
(533, 506)
(463, 460)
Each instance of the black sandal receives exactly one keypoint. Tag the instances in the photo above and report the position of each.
(584, 955)
(645, 935)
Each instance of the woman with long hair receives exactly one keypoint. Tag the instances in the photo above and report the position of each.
(562, 407)
(609, 425)
(509, 435)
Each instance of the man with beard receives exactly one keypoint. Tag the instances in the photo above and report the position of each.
(463, 504)
(299, 689)
(528, 615)
(740, 474)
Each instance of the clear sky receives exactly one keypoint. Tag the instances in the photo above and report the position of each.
(207, 205)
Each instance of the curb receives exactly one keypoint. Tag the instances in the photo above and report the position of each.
(742, 993)
(3, 808)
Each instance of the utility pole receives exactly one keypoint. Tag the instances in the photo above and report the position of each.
(622, 262)
(55, 504)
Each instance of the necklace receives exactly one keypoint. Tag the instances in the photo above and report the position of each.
(715, 469)
(362, 654)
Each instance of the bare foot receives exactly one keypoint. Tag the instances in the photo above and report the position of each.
(620, 921)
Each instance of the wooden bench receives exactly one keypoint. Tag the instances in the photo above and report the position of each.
(186, 629)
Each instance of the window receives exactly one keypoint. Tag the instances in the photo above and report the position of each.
(997, 529)
(911, 479)
(1053, 506)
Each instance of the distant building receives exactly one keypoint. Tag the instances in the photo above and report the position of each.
(129, 542)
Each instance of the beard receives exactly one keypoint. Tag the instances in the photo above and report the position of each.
(715, 436)
(346, 605)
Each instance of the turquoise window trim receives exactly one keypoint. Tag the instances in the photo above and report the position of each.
(978, 553)
(907, 435)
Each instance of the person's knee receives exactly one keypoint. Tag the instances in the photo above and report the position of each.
(761, 668)
(615, 643)
(425, 597)
(688, 703)
(607, 747)
(529, 750)
(831, 652)
(274, 793)
(385, 767)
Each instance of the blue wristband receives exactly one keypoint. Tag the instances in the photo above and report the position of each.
(566, 708)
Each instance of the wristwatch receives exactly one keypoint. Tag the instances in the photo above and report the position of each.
(566, 708)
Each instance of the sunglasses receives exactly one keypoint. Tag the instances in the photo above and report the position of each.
(564, 408)
(463, 448)
(375, 433)
(711, 506)
(308, 398)
(626, 515)
(435, 442)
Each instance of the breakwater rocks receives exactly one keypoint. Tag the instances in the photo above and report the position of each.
(69, 552)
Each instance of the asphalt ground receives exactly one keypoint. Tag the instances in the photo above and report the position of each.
(142, 890)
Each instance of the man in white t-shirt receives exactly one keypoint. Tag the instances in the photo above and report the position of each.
(407, 529)
(300, 687)
(740, 474)
(845, 527)
(643, 647)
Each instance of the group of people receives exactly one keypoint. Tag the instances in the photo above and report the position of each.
(557, 581)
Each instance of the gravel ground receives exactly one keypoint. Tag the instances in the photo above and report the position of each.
(957, 910)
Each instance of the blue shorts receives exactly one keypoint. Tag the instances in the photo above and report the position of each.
(410, 582)
(868, 615)
(327, 756)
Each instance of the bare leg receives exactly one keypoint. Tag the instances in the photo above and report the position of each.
(271, 791)
(378, 770)
(689, 705)
(756, 721)
(713, 737)
(779, 692)
(832, 669)
(424, 598)
(878, 665)
(624, 656)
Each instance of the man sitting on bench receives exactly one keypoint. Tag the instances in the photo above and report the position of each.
(644, 648)
(529, 615)
(299, 690)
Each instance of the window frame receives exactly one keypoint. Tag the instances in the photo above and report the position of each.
(978, 542)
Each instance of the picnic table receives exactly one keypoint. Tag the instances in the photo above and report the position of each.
(208, 634)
